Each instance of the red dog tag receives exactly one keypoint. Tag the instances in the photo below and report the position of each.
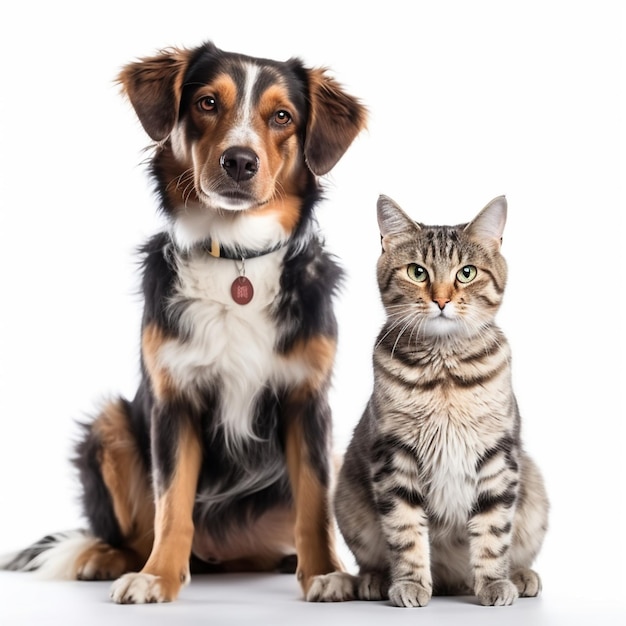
(241, 290)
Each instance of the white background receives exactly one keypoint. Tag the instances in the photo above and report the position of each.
(467, 100)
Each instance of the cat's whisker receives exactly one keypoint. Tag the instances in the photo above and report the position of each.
(417, 330)
(406, 325)
(401, 323)
(398, 322)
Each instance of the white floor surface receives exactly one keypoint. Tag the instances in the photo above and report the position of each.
(260, 599)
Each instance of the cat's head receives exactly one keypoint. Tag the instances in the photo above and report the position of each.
(441, 280)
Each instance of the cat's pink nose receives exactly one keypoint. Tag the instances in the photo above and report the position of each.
(441, 302)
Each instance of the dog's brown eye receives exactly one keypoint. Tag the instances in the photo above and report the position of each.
(207, 104)
(282, 117)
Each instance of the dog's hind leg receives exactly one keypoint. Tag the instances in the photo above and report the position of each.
(117, 496)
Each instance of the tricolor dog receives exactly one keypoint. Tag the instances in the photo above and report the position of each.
(222, 457)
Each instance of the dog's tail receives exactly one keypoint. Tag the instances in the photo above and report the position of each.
(52, 557)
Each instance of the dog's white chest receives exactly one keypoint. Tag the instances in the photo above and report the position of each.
(226, 345)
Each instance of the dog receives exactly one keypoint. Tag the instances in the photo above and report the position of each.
(222, 459)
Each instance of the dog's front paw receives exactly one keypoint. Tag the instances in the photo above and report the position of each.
(140, 589)
(333, 587)
(498, 593)
(410, 593)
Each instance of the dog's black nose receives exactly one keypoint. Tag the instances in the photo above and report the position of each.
(240, 163)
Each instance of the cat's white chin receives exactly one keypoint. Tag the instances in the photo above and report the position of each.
(442, 326)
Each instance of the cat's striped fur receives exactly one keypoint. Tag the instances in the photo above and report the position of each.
(436, 493)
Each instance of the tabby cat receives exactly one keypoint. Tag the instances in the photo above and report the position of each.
(436, 494)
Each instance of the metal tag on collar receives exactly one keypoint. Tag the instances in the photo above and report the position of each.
(242, 290)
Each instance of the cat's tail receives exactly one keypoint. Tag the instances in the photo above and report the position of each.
(52, 557)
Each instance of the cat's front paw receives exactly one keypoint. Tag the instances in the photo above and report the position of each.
(409, 593)
(333, 587)
(498, 593)
(527, 582)
(372, 586)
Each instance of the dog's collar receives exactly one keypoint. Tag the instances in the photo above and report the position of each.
(236, 253)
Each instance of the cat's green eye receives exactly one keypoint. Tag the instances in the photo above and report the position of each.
(416, 273)
(466, 274)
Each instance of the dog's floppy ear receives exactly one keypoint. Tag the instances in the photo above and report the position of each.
(153, 86)
(335, 119)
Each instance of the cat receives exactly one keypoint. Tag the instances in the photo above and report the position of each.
(436, 494)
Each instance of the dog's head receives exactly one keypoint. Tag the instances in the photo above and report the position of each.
(238, 133)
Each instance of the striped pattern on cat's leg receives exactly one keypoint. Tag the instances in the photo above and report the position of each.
(405, 526)
(490, 529)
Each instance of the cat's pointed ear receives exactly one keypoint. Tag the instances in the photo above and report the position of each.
(488, 225)
(392, 220)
